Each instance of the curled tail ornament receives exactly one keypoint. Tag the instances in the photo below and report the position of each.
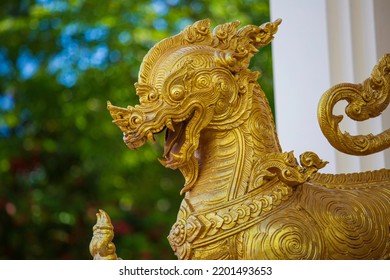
(366, 100)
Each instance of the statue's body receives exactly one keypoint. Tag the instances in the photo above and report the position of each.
(243, 197)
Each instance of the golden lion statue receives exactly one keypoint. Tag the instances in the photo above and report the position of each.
(243, 197)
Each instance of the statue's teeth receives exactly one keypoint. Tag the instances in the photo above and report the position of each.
(150, 137)
(163, 161)
(170, 125)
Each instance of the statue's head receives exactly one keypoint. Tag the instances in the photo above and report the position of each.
(193, 81)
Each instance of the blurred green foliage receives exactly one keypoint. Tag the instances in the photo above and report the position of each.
(61, 158)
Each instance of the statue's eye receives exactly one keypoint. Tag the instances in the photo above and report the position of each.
(177, 92)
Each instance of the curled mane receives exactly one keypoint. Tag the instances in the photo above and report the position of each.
(236, 45)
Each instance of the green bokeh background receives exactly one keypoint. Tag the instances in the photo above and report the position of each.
(61, 158)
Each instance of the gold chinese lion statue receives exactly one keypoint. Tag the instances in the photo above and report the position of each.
(243, 197)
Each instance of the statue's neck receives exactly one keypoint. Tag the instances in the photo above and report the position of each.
(226, 157)
(224, 162)
(261, 125)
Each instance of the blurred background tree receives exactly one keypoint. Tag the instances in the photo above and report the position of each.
(61, 158)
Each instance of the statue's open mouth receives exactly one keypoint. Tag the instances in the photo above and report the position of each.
(182, 125)
(174, 141)
(174, 138)
(136, 132)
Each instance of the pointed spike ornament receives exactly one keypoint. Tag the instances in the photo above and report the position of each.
(101, 246)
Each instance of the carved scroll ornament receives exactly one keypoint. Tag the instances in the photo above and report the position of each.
(243, 197)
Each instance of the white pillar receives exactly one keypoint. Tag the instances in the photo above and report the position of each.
(382, 23)
(319, 44)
